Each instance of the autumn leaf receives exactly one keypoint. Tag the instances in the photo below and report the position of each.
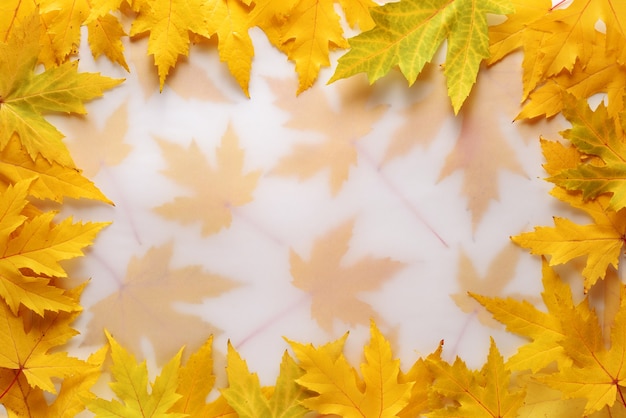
(308, 35)
(245, 395)
(50, 180)
(487, 392)
(597, 72)
(595, 134)
(544, 329)
(337, 151)
(571, 31)
(105, 38)
(22, 400)
(422, 377)
(13, 15)
(217, 190)
(30, 252)
(598, 373)
(32, 352)
(143, 305)
(342, 390)
(334, 287)
(229, 21)
(601, 242)
(408, 33)
(195, 382)
(61, 21)
(25, 96)
(170, 23)
(131, 387)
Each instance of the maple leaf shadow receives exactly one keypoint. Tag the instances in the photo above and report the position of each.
(144, 306)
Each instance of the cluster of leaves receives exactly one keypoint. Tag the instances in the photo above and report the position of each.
(572, 363)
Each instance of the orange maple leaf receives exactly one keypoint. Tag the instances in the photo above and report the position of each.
(143, 306)
(334, 287)
(337, 152)
(217, 190)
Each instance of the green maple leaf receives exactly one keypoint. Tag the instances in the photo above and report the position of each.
(409, 33)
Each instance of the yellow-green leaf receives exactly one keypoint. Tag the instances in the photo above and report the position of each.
(408, 33)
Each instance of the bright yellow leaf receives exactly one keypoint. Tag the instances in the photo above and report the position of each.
(195, 382)
(131, 387)
(169, 23)
(32, 353)
(543, 328)
(341, 391)
(51, 180)
(228, 19)
(484, 393)
(30, 252)
(598, 374)
(310, 32)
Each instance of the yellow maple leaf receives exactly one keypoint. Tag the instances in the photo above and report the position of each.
(13, 15)
(340, 388)
(484, 393)
(312, 29)
(31, 351)
(422, 377)
(169, 23)
(598, 373)
(24, 95)
(332, 285)
(229, 20)
(601, 242)
(596, 135)
(51, 180)
(195, 382)
(105, 38)
(543, 328)
(22, 400)
(62, 20)
(246, 396)
(131, 387)
(408, 33)
(596, 72)
(217, 190)
(31, 249)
